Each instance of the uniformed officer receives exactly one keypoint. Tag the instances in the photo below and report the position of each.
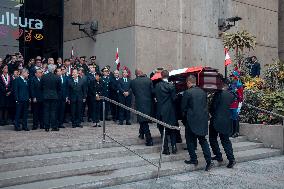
(94, 64)
(106, 90)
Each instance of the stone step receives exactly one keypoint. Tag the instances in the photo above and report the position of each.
(17, 163)
(10, 178)
(117, 176)
(84, 146)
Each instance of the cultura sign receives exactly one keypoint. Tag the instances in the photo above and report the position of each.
(10, 19)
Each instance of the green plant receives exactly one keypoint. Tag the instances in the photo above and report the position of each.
(239, 41)
(274, 75)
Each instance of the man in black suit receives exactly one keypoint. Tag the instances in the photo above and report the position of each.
(165, 94)
(255, 67)
(62, 98)
(114, 81)
(90, 78)
(22, 98)
(124, 97)
(142, 89)
(51, 86)
(37, 101)
(221, 124)
(84, 78)
(195, 112)
(77, 94)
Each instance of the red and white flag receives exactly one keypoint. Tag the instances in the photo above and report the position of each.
(227, 57)
(72, 52)
(117, 61)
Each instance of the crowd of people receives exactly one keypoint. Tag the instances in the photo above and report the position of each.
(54, 90)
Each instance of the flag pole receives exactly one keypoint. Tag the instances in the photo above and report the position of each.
(226, 72)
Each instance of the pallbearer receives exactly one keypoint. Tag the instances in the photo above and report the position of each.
(165, 94)
(221, 124)
(194, 108)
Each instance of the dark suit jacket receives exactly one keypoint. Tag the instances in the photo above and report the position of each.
(124, 86)
(106, 86)
(95, 88)
(142, 89)
(6, 101)
(76, 92)
(114, 88)
(165, 94)
(90, 79)
(64, 88)
(194, 107)
(36, 91)
(21, 90)
(51, 86)
(220, 112)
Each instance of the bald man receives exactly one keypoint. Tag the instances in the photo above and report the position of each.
(142, 89)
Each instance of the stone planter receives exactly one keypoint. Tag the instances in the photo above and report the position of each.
(271, 136)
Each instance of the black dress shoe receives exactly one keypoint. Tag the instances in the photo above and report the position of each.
(55, 129)
(26, 129)
(166, 152)
(81, 126)
(231, 164)
(34, 128)
(141, 136)
(89, 120)
(128, 123)
(209, 166)
(190, 162)
(73, 126)
(179, 140)
(120, 123)
(47, 130)
(150, 143)
(99, 125)
(217, 159)
(174, 149)
(18, 129)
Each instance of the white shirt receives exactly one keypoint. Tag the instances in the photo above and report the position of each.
(6, 79)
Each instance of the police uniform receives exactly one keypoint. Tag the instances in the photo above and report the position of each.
(106, 92)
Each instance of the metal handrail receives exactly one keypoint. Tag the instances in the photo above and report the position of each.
(141, 114)
(165, 125)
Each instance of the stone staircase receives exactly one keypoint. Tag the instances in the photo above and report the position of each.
(104, 164)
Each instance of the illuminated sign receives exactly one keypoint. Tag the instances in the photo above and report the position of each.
(17, 33)
(10, 19)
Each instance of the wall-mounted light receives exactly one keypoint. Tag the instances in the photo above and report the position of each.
(226, 24)
(89, 28)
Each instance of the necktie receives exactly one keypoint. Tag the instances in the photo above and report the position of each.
(61, 79)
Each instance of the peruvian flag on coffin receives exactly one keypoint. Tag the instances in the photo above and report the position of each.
(179, 71)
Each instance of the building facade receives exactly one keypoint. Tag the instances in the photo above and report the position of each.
(168, 33)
